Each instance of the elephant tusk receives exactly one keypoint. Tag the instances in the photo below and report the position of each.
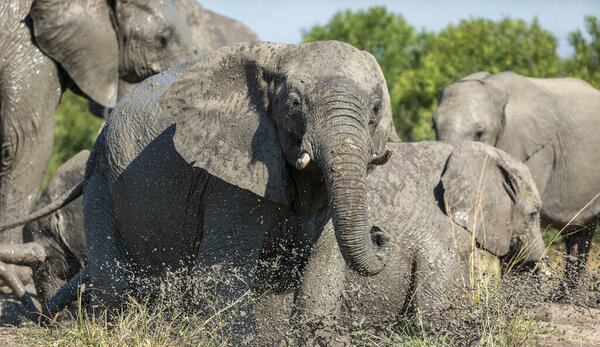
(302, 161)
(381, 159)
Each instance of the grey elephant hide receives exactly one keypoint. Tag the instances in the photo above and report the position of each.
(60, 233)
(548, 123)
(209, 30)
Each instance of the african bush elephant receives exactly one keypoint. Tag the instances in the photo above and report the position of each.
(548, 123)
(87, 45)
(435, 201)
(211, 30)
(199, 163)
(61, 233)
(208, 29)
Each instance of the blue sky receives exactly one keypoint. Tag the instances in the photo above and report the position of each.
(283, 20)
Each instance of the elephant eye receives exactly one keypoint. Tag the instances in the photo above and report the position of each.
(376, 109)
(293, 101)
(164, 38)
(479, 134)
(533, 214)
(376, 112)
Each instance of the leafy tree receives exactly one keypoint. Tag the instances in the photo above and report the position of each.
(75, 130)
(585, 64)
(418, 66)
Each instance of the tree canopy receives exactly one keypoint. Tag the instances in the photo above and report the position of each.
(585, 64)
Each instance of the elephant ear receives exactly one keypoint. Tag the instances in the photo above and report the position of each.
(530, 116)
(220, 109)
(385, 130)
(479, 194)
(79, 35)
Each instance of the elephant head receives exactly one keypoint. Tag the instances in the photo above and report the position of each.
(98, 41)
(493, 196)
(259, 115)
(502, 110)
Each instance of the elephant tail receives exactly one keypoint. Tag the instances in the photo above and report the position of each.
(65, 199)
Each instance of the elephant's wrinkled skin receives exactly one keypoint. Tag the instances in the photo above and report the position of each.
(209, 30)
(411, 197)
(60, 233)
(198, 165)
(87, 45)
(551, 124)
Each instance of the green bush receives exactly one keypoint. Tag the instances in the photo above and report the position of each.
(75, 130)
(585, 64)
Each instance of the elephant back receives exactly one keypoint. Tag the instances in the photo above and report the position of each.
(211, 30)
(412, 172)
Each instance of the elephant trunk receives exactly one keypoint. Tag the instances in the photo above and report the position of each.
(343, 159)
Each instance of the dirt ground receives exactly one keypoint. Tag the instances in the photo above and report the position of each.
(567, 325)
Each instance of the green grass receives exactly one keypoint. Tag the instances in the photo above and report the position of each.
(75, 129)
(503, 322)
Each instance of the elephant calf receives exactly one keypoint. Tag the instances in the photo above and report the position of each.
(60, 234)
(434, 200)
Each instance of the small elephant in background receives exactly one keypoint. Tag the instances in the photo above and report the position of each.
(550, 124)
(436, 201)
(60, 233)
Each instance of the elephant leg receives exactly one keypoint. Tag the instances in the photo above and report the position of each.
(578, 244)
(66, 295)
(14, 276)
(108, 263)
(28, 254)
(318, 298)
(11, 277)
(235, 224)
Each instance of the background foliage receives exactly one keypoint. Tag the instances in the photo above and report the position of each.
(75, 129)
(416, 64)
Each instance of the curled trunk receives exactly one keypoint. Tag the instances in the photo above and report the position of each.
(343, 159)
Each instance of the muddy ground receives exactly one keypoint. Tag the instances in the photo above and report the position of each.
(574, 321)
(567, 325)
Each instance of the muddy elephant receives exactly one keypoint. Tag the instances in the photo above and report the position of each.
(60, 234)
(548, 123)
(199, 165)
(85, 45)
(209, 30)
(437, 202)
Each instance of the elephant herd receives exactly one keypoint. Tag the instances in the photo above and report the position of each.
(271, 165)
